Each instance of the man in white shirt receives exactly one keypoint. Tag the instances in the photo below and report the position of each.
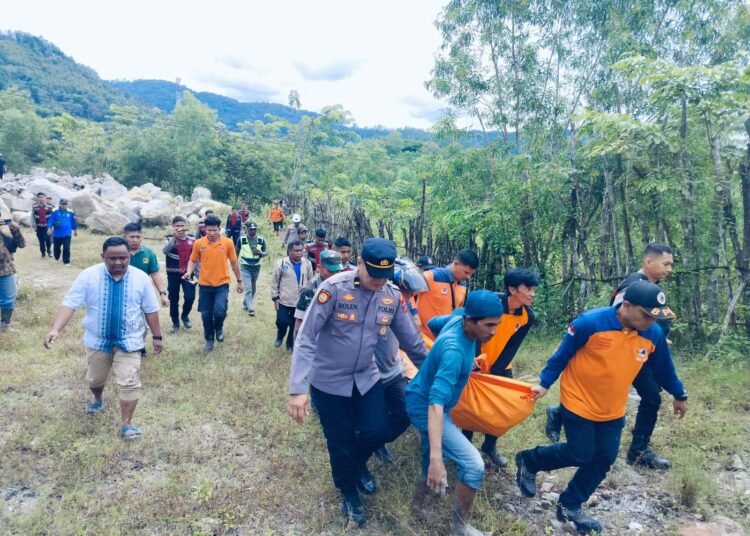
(116, 297)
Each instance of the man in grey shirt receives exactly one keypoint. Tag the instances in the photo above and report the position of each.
(333, 358)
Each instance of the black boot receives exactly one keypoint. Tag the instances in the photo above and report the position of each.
(5, 315)
(525, 478)
(582, 521)
(497, 459)
(640, 454)
(351, 508)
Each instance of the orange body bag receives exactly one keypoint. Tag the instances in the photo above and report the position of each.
(492, 404)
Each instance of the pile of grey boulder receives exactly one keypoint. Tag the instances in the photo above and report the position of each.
(101, 203)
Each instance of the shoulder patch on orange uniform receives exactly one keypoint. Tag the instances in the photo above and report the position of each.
(323, 296)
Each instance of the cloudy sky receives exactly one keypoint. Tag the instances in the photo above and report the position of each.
(371, 57)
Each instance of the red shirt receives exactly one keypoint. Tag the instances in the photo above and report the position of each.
(41, 214)
(244, 215)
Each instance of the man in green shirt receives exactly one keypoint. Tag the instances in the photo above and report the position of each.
(144, 258)
(252, 248)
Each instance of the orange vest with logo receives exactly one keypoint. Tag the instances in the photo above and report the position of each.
(443, 297)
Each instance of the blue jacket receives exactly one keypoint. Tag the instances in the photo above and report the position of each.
(62, 223)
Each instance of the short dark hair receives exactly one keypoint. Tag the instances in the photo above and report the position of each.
(468, 258)
(41, 193)
(113, 242)
(516, 277)
(132, 228)
(212, 221)
(208, 211)
(179, 218)
(292, 244)
(341, 242)
(235, 208)
(656, 249)
(320, 232)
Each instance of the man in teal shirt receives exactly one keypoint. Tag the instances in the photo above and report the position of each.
(435, 391)
(144, 258)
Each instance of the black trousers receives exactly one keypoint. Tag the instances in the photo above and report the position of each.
(396, 405)
(284, 321)
(591, 446)
(490, 442)
(213, 303)
(45, 241)
(175, 282)
(648, 410)
(64, 245)
(353, 427)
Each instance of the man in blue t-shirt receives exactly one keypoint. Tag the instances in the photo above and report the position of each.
(60, 226)
(436, 389)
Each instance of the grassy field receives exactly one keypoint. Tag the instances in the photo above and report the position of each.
(219, 455)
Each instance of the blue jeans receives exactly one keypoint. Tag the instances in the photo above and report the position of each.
(8, 291)
(591, 446)
(456, 448)
(354, 426)
(213, 303)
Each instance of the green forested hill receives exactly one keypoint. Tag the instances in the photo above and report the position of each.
(56, 82)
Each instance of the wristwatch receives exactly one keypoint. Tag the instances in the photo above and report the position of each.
(163, 293)
(682, 398)
(157, 337)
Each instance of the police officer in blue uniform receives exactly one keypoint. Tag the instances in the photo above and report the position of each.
(333, 359)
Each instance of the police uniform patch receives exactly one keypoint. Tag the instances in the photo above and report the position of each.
(388, 301)
(383, 331)
(384, 320)
(348, 297)
(323, 296)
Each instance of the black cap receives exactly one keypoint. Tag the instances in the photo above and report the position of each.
(649, 297)
(251, 225)
(320, 232)
(379, 255)
(425, 262)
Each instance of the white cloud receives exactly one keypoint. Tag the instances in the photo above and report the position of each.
(370, 57)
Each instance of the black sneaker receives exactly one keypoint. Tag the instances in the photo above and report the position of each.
(525, 479)
(186, 322)
(366, 482)
(648, 459)
(175, 328)
(220, 335)
(553, 426)
(351, 508)
(496, 459)
(251, 312)
(583, 522)
(209, 346)
(277, 343)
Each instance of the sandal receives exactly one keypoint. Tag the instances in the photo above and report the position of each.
(94, 407)
(130, 432)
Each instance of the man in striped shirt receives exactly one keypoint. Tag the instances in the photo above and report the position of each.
(116, 297)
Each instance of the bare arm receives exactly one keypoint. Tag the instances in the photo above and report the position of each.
(158, 281)
(63, 316)
(190, 270)
(437, 477)
(152, 319)
(237, 275)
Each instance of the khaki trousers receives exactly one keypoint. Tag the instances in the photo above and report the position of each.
(126, 365)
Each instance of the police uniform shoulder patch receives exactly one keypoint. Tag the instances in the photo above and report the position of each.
(323, 296)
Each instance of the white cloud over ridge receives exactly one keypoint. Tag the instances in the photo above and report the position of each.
(372, 58)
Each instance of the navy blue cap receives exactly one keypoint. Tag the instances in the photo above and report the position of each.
(425, 262)
(481, 304)
(649, 297)
(379, 255)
